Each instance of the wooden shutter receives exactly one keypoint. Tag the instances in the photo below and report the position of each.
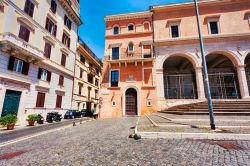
(63, 60)
(47, 50)
(65, 19)
(11, 63)
(48, 76)
(68, 42)
(70, 25)
(58, 101)
(26, 66)
(47, 23)
(81, 73)
(40, 99)
(61, 80)
(55, 30)
(39, 73)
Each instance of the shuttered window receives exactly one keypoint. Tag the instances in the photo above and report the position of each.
(29, 8)
(58, 101)
(66, 40)
(61, 80)
(53, 6)
(40, 100)
(51, 27)
(63, 60)
(24, 33)
(80, 85)
(47, 50)
(81, 72)
(67, 22)
(18, 65)
(44, 74)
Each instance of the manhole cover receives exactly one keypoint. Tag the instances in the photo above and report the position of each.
(7, 156)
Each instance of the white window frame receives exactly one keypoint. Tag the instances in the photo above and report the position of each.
(44, 75)
(119, 29)
(113, 103)
(213, 20)
(170, 29)
(118, 78)
(18, 65)
(146, 22)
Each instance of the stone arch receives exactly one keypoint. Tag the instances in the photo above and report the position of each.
(188, 56)
(138, 100)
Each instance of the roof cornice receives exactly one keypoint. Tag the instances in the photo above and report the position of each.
(128, 16)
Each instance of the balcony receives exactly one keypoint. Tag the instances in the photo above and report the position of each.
(92, 71)
(11, 43)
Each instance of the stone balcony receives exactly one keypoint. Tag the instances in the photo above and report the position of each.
(92, 71)
(13, 44)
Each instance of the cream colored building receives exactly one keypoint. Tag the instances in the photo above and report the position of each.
(87, 79)
(38, 41)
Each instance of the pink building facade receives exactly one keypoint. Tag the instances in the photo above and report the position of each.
(174, 64)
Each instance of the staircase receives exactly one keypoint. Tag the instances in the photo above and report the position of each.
(220, 108)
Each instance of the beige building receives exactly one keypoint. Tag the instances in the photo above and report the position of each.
(38, 41)
(87, 79)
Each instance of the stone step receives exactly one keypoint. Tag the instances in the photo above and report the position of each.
(206, 113)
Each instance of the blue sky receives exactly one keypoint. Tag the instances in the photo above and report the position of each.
(94, 11)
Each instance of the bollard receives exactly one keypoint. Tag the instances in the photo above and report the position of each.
(74, 123)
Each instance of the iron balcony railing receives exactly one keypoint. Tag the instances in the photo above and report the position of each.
(130, 56)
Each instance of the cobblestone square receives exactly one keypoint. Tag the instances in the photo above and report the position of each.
(106, 142)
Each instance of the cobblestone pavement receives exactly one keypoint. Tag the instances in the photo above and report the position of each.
(106, 142)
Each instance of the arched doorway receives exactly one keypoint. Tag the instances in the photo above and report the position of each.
(131, 102)
(247, 63)
(222, 77)
(179, 78)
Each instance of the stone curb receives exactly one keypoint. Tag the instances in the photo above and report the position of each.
(171, 135)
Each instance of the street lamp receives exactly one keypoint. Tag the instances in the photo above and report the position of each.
(210, 104)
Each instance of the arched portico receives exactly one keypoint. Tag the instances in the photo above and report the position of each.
(247, 71)
(131, 101)
(223, 77)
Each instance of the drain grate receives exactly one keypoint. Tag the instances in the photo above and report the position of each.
(228, 145)
(7, 156)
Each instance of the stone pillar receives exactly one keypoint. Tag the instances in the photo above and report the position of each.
(159, 83)
(200, 83)
(244, 91)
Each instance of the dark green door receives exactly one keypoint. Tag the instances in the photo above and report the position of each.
(11, 102)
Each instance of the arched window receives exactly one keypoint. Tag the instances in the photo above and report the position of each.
(131, 27)
(131, 47)
(116, 30)
(146, 26)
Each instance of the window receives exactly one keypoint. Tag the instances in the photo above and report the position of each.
(50, 26)
(214, 27)
(96, 83)
(18, 65)
(63, 60)
(53, 6)
(47, 50)
(67, 22)
(81, 73)
(90, 79)
(147, 53)
(114, 78)
(146, 26)
(149, 103)
(115, 53)
(96, 94)
(90, 65)
(66, 40)
(131, 47)
(61, 80)
(175, 31)
(58, 101)
(80, 85)
(131, 27)
(82, 59)
(40, 99)
(44, 74)
(113, 104)
(116, 30)
(29, 8)
(97, 71)
(24, 33)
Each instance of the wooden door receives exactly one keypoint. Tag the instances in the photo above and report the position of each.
(131, 102)
(11, 102)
